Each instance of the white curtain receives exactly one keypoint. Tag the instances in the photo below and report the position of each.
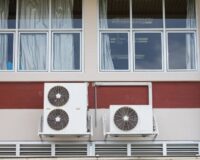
(33, 51)
(62, 17)
(33, 14)
(33, 46)
(4, 9)
(106, 58)
(190, 39)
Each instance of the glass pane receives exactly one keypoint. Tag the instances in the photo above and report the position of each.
(66, 13)
(180, 14)
(114, 14)
(6, 51)
(147, 14)
(33, 52)
(66, 51)
(7, 14)
(114, 51)
(148, 51)
(33, 14)
(181, 50)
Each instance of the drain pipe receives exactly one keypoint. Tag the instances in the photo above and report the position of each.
(95, 103)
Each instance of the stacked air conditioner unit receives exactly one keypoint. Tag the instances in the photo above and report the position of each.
(65, 108)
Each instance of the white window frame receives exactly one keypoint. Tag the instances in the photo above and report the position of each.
(80, 51)
(164, 42)
(49, 35)
(167, 53)
(13, 59)
(18, 52)
(129, 57)
(162, 51)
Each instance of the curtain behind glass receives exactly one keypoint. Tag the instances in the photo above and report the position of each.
(33, 51)
(106, 58)
(62, 13)
(190, 40)
(4, 9)
(62, 17)
(63, 52)
(33, 14)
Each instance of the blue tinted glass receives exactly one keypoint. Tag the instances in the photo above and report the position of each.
(114, 14)
(147, 14)
(180, 13)
(6, 51)
(181, 51)
(114, 51)
(148, 51)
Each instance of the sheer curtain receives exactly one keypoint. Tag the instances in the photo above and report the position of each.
(62, 17)
(106, 58)
(33, 14)
(190, 39)
(4, 9)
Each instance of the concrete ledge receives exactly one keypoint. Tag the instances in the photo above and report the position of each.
(109, 158)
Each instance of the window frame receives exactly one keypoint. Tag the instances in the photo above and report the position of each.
(195, 53)
(164, 41)
(162, 52)
(18, 52)
(17, 31)
(129, 55)
(52, 49)
(6, 31)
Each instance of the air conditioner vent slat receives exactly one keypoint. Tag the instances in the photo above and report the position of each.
(182, 149)
(7, 150)
(30, 150)
(71, 149)
(111, 149)
(146, 150)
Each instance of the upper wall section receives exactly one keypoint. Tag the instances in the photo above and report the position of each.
(165, 95)
(90, 67)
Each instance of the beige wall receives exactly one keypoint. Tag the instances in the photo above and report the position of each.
(90, 73)
(22, 125)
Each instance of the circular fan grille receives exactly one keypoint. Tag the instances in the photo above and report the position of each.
(125, 118)
(58, 96)
(58, 119)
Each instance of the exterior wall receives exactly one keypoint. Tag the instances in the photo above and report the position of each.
(91, 69)
(174, 93)
(165, 95)
(22, 125)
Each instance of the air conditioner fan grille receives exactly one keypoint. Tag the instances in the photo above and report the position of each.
(126, 118)
(58, 96)
(58, 119)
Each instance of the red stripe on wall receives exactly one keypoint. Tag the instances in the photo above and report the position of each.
(21, 95)
(176, 95)
(165, 95)
(107, 96)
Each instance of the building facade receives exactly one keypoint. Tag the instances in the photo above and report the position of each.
(114, 46)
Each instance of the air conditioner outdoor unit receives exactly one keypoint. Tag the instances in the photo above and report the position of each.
(65, 109)
(131, 119)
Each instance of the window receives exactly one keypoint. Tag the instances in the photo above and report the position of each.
(160, 35)
(40, 35)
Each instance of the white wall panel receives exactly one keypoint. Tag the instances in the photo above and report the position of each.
(174, 124)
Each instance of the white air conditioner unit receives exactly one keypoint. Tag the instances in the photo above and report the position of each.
(65, 109)
(131, 119)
